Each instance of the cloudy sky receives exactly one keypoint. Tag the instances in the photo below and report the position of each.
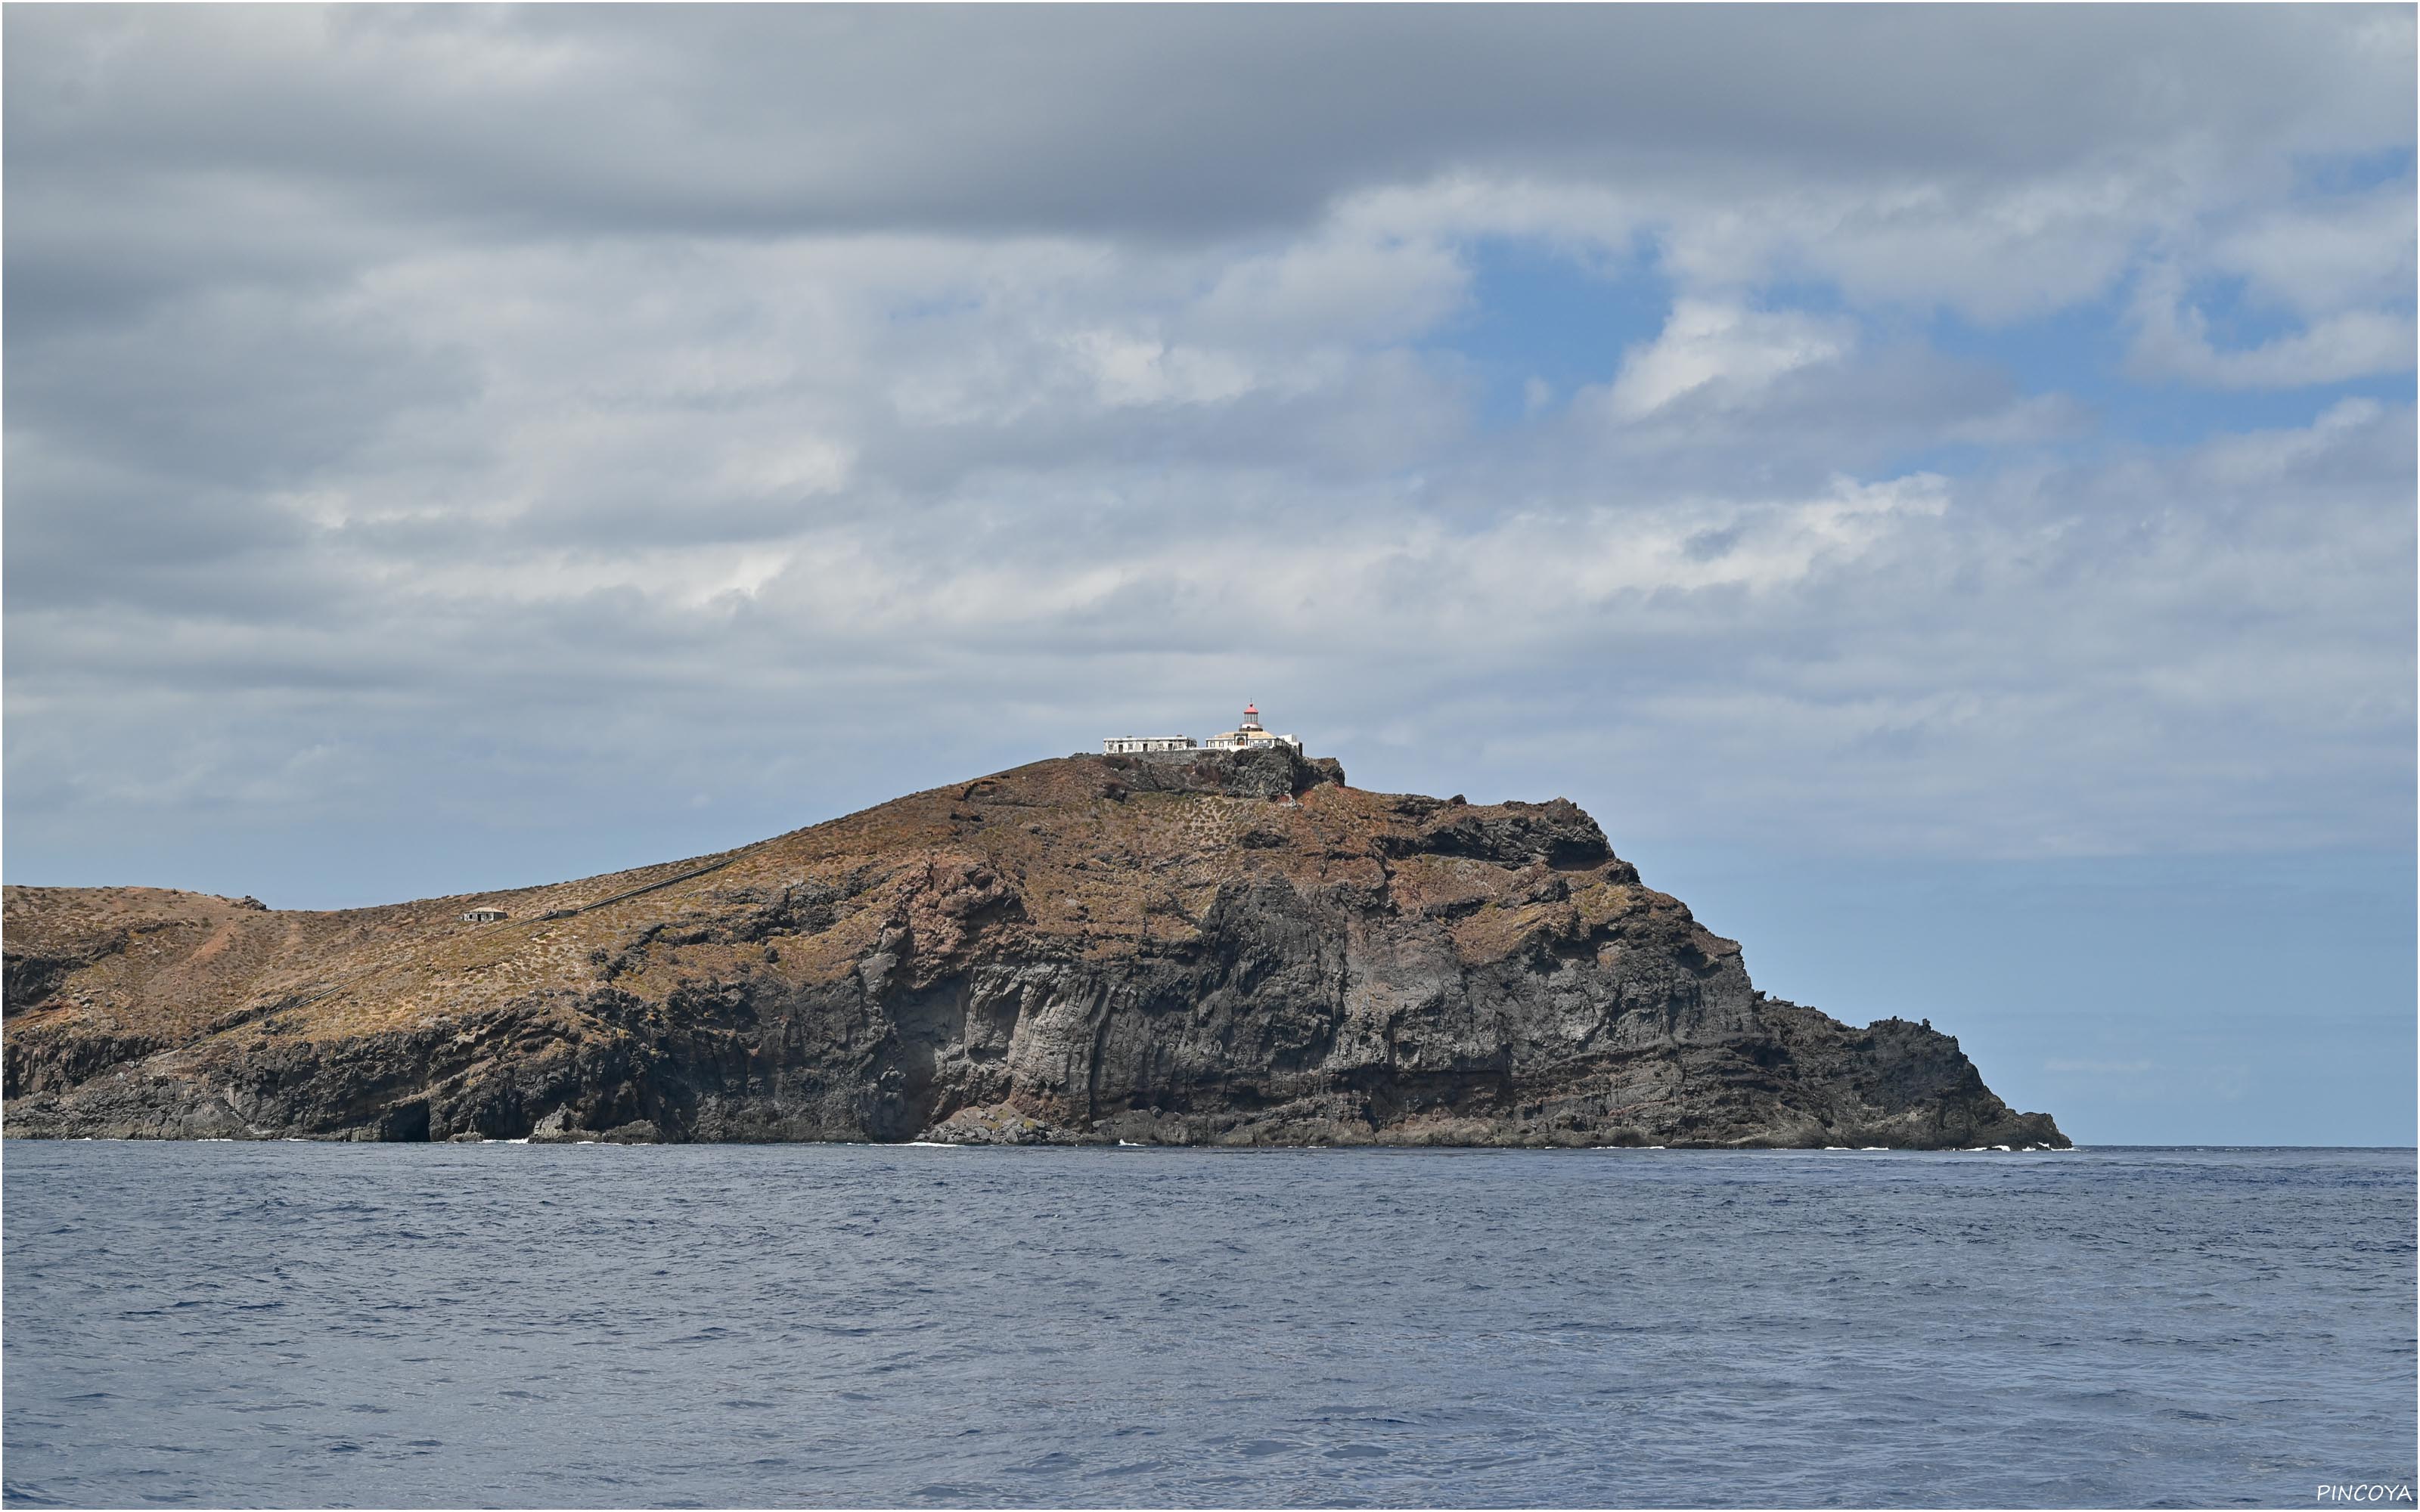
(1937, 484)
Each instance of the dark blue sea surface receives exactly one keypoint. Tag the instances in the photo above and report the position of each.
(395, 1325)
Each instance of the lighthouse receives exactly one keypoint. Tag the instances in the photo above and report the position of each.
(1248, 735)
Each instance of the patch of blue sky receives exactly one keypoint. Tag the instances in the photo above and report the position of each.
(2144, 999)
(1538, 310)
(2083, 351)
(2352, 172)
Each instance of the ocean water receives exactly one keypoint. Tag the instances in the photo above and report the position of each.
(233, 1324)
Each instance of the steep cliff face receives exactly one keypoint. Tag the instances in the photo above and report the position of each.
(1237, 949)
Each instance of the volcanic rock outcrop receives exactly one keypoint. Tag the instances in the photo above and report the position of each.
(1221, 948)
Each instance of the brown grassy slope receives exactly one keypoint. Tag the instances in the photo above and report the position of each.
(1092, 866)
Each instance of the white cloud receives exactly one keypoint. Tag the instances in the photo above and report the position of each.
(2324, 257)
(623, 417)
(1132, 370)
(1724, 352)
(1333, 288)
(2172, 341)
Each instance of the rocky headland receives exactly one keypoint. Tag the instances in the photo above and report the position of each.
(1221, 948)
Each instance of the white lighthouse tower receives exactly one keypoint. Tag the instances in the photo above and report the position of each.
(1249, 736)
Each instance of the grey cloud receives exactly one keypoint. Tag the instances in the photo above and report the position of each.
(628, 406)
(2042, 639)
(1188, 120)
(236, 389)
(152, 148)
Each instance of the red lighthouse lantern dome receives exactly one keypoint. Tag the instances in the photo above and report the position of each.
(1251, 717)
